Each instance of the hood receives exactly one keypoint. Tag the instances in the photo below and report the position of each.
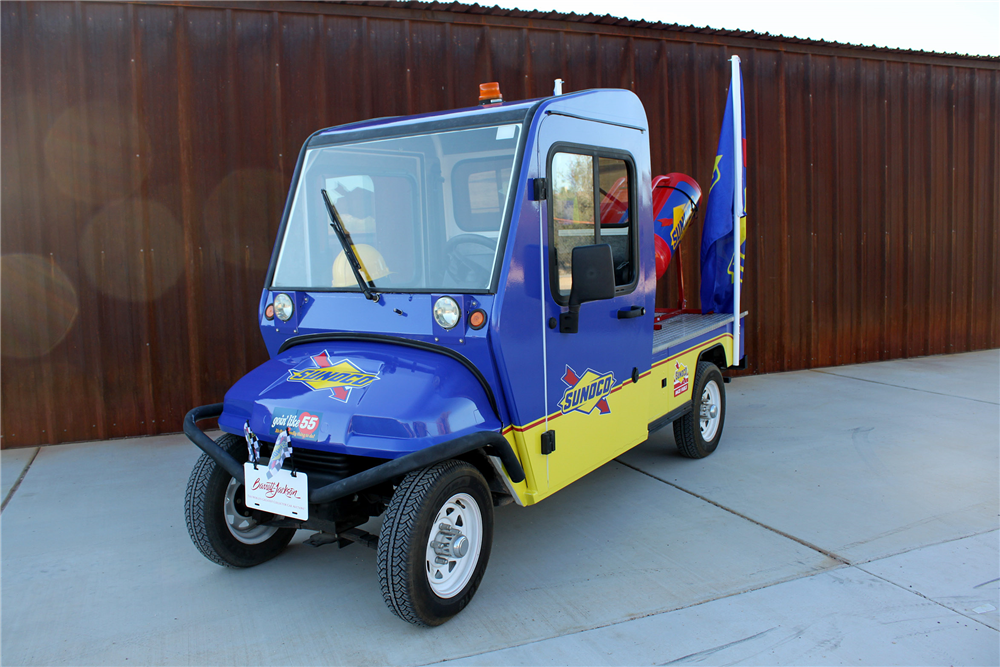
(363, 398)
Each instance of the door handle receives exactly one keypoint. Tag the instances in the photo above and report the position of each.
(629, 313)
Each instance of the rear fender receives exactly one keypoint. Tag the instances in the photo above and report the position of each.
(716, 355)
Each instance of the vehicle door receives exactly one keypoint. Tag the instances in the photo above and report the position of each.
(594, 405)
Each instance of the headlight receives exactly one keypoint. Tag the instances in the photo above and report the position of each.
(446, 312)
(283, 307)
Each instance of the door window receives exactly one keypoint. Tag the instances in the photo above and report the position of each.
(572, 211)
(579, 179)
(616, 228)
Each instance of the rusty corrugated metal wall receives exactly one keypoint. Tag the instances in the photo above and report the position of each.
(147, 149)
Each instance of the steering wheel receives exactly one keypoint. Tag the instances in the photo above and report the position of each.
(465, 270)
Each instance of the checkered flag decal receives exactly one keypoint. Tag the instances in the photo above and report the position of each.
(253, 444)
(282, 450)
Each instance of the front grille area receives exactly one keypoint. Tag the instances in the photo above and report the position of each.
(328, 463)
(312, 460)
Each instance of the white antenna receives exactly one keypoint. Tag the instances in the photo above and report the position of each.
(557, 90)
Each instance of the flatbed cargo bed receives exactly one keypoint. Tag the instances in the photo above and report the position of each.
(678, 332)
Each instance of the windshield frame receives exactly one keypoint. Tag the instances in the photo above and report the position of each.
(393, 129)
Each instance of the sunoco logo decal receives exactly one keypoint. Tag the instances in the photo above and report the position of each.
(680, 378)
(586, 392)
(339, 377)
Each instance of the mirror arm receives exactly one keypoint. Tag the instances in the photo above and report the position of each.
(569, 322)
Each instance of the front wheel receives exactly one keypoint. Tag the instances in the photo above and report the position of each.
(218, 520)
(435, 542)
(698, 433)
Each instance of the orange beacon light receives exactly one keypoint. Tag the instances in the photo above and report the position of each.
(489, 93)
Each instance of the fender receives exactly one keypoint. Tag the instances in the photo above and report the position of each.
(370, 396)
(396, 340)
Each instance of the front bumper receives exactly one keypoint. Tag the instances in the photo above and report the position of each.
(491, 442)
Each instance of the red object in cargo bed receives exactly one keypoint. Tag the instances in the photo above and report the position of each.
(675, 200)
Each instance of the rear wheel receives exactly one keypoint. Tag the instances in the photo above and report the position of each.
(698, 433)
(435, 542)
(220, 525)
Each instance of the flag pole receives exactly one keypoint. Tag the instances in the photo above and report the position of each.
(737, 200)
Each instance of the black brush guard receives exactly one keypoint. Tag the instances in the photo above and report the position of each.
(490, 441)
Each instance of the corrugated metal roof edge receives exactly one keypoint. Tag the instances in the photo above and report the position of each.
(609, 20)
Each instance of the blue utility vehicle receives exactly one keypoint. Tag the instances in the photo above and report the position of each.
(460, 313)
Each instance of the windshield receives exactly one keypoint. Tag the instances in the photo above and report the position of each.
(423, 212)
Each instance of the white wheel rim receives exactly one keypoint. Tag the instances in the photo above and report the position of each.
(710, 410)
(458, 519)
(240, 524)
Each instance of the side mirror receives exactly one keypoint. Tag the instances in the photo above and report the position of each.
(593, 280)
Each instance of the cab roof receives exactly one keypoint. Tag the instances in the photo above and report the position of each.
(608, 105)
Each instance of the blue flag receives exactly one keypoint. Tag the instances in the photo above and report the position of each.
(717, 269)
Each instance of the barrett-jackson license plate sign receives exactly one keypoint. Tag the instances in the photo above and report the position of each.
(281, 494)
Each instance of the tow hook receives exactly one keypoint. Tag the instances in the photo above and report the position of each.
(343, 538)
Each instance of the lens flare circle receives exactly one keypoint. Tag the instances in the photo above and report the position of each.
(40, 305)
(133, 250)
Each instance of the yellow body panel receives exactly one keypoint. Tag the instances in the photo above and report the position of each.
(584, 442)
(674, 370)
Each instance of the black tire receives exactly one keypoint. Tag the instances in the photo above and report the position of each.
(688, 429)
(204, 510)
(403, 568)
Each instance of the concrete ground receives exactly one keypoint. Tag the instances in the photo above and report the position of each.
(850, 516)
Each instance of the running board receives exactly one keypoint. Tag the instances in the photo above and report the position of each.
(670, 417)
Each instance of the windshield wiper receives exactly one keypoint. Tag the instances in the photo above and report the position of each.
(345, 240)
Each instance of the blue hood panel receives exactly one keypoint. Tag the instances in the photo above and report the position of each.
(360, 397)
